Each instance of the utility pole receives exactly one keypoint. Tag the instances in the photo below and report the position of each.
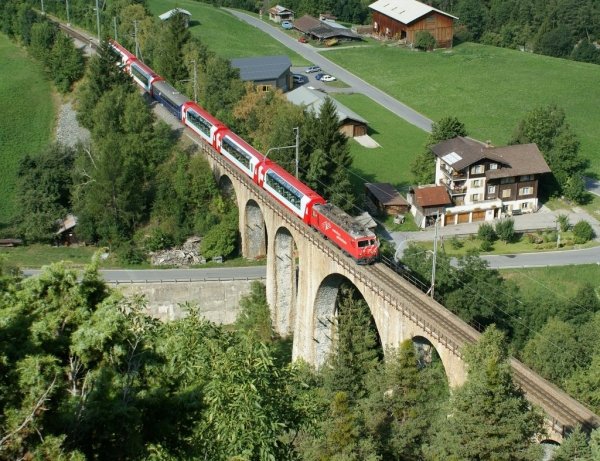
(297, 130)
(558, 234)
(433, 260)
(115, 26)
(135, 37)
(68, 18)
(43, 12)
(98, 19)
(195, 81)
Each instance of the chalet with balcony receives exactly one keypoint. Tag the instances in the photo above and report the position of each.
(280, 13)
(486, 182)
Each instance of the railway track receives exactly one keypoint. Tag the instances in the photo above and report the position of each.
(563, 411)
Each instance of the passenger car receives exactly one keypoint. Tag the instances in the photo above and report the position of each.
(287, 25)
(312, 69)
(319, 76)
(328, 78)
(298, 78)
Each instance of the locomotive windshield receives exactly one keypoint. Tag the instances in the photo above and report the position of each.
(139, 75)
(285, 189)
(363, 243)
(199, 122)
(240, 155)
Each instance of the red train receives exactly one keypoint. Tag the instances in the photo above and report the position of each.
(356, 241)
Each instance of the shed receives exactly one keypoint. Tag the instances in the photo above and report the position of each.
(402, 19)
(280, 13)
(385, 198)
(169, 14)
(324, 29)
(66, 230)
(267, 72)
(351, 124)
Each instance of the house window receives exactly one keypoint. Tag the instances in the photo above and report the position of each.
(375, 25)
(524, 205)
(493, 166)
(263, 88)
(526, 191)
(476, 183)
(491, 190)
(477, 169)
(507, 180)
(475, 197)
(527, 177)
(506, 193)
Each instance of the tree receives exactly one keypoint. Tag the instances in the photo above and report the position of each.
(221, 239)
(65, 63)
(43, 35)
(423, 167)
(168, 54)
(488, 418)
(556, 42)
(574, 448)
(505, 229)
(583, 232)
(254, 316)
(43, 192)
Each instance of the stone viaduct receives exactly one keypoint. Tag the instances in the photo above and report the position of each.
(305, 271)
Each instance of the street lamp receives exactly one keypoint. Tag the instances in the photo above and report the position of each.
(297, 146)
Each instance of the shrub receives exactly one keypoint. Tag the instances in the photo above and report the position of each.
(583, 232)
(456, 243)
(158, 240)
(506, 230)
(130, 254)
(486, 245)
(486, 232)
(550, 236)
(425, 41)
(563, 222)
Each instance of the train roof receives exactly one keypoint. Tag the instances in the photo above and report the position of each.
(291, 179)
(200, 110)
(344, 220)
(145, 68)
(166, 89)
(121, 49)
(245, 145)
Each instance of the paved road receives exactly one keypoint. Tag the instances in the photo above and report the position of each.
(553, 258)
(360, 86)
(157, 275)
(592, 185)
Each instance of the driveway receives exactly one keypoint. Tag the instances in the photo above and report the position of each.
(358, 85)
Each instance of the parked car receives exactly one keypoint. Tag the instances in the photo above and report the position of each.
(312, 69)
(287, 25)
(303, 39)
(328, 78)
(297, 78)
(319, 76)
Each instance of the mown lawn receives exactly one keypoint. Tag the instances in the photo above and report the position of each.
(564, 281)
(26, 117)
(489, 89)
(224, 34)
(400, 142)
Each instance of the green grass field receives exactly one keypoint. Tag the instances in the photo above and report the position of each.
(26, 117)
(399, 140)
(224, 34)
(489, 89)
(563, 282)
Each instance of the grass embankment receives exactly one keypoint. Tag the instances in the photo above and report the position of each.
(224, 34)
(563, 281)
(489, 89)
(27, 116)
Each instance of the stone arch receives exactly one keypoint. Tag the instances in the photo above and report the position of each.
(254, 235)
(426, 352)
(325, 314)
(285, 281)
(549, 446)
(226, 187)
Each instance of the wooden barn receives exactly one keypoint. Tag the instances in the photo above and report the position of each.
(402, 19)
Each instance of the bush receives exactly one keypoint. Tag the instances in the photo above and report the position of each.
(550, 236)
(158, 240)
(130, 254)
(425, 41)
(486, 245)
(486, 232)
(583, 232)
(563, 222)
(506, 230)
(456, 243)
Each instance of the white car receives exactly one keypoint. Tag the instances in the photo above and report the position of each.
(328, 78)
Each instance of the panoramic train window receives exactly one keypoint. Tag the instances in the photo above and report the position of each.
(139, 75)
(241, 156)
(283, 188)
(199, 122)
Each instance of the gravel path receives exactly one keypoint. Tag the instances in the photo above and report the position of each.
(68, 130)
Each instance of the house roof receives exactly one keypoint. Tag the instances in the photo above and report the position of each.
(313, 99)
(431, 196)
(366, 220)
(386, 194)
(519, 160)
(515, 160)
(260, 68)
(306, 23)
(405, 11)
(323, 29)
(66, 224)
(278, 9)
(173, 12)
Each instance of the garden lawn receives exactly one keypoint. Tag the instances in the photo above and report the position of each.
(562, 281)
(489, 89)
(399, 140)
(224, 34)
(26, 117)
